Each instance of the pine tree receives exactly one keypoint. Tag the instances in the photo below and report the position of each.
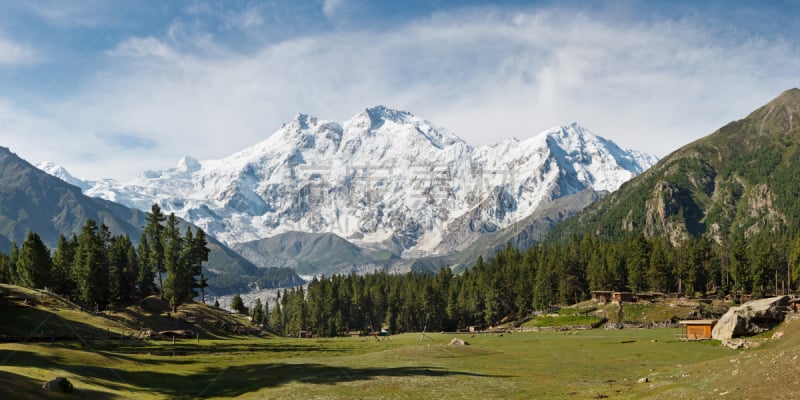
(276, 317)
(638, 262)
(5, 268)
(153, 232)
(257, 313)
(34, 265)
(661, 265)
(199, 255)
(145, 279)
(178, 285)
(62, 281)
(90, 268)
(794, 261)
(238, 305)
(12, 264)
(123, 270)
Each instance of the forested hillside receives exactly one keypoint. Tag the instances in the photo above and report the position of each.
(715, 218)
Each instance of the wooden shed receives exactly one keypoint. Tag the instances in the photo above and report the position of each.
(627, 297)
(698, 329)
(601, 296)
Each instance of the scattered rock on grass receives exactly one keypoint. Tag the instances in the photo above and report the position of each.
(458, 342)
(59, 384)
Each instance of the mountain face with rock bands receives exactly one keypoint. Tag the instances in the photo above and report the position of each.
(741, 180)
(382, 177)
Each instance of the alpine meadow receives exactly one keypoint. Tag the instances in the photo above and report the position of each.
(420, 200)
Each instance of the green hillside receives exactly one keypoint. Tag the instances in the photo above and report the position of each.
(32, 200)
(741, 179)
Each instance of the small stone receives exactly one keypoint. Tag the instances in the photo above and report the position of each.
(643, 380)
(60, 384)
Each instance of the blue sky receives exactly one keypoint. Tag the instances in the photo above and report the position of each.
(111, 88)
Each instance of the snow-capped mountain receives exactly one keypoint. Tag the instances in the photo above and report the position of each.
(383, 176)
(61, 173)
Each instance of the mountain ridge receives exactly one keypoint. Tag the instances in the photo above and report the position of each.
(32, 200)
(383, 176)
(740, 179)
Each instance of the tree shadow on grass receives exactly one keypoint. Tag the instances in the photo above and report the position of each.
(176, 381)
(21, 387)
(239, 380)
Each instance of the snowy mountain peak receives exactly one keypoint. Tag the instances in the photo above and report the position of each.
(383, 177)
(61, 173)
(380, 114)
(188, 164)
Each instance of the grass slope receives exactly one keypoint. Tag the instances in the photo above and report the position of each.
(583, 365)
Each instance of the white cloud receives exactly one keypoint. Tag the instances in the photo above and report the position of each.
(143, 47)
(331, 7)
(87, 13)
(13, 53)
(484, 74)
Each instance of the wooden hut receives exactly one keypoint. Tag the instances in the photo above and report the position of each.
(619, 297)
(697, 329)
(601, 296)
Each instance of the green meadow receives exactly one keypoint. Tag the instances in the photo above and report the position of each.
(581, 364)
(104, 361)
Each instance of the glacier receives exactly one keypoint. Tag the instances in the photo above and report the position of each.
(384, 177)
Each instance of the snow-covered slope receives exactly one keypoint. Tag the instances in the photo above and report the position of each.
(384, 176)
(61, 173)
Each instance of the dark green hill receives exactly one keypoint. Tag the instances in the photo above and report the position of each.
(313, 253)
(743, 178)
(32, 200)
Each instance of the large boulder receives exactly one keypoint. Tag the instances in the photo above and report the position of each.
(751, 318)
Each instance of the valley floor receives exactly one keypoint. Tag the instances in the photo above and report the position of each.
(580, 364)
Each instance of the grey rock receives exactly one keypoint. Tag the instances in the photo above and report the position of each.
(751, 318)
(60, 384)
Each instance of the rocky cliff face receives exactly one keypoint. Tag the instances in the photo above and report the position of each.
(741, 179)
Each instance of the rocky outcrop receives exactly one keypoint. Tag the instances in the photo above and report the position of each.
(751, 318)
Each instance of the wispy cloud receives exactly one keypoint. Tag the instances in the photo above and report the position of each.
(483, 73)
(13, 53)
(129, 141)
(331, 7)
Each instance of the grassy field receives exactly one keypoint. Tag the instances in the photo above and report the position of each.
(591, 364)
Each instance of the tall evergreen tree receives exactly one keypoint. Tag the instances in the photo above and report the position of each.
(276, 317)
(178, 287)
(145, 279)
(661, 265)
(63, 256)
(153, 231)
(199, 255)
(638, 262)
(123, 270)
(257, 313)
(34, 265)
(5, 268)
(238, 305)
(90, 267)
(12, 264)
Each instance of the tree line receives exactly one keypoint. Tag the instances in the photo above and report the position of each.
(97, 269)
(513, 284)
